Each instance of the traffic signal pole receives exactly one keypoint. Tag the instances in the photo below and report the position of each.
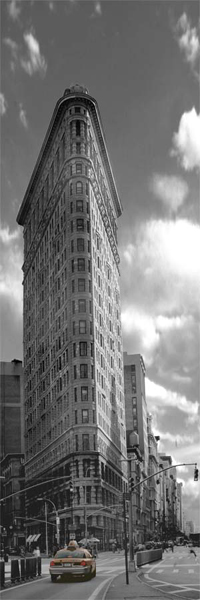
(131, 549)
(125, 541)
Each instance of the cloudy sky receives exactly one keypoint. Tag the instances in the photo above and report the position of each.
(140, 60)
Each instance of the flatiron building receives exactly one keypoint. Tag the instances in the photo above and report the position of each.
(73, 356)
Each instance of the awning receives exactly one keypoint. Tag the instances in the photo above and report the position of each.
(30, 538)
(37, 537)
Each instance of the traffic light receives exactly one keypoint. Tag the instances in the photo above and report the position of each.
(131, 484)
(71, 491)
(196, 473)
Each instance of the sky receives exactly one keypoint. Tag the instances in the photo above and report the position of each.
(140, 60)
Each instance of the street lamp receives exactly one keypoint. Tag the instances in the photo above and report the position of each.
(86, 532)
(57, 521)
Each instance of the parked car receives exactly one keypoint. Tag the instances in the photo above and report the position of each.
(72, 561)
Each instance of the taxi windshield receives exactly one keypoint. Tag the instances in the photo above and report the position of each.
(70, 553)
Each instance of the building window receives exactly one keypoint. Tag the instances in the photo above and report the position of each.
(85, 415)
(73, 265)
(78, 168)
(82, 326)
(76, 418)
(80, 245)
(78, 128)
(87, 189)
(83, 348)
(84, 394)
(79, 206)
(76, 442)
(71, 189)
(85, 441)
(78, 148)
(80, 224)
(79, 187)
(74, 371)
(82, 306)
(83, 371)
(81, 285)
(81, 264)
(86, 467)
(75, 394)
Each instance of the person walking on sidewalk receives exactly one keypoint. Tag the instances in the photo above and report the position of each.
(192, 551)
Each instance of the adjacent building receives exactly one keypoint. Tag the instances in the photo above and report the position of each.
(12, 451)
(136, 423)
(153, 481)
(75, 428)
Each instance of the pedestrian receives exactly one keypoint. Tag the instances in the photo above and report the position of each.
(192, 551)
(172, 546)
(36, 551)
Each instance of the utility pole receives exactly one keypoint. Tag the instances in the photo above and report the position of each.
(131, 550)
(86, 533)
(125, 540)
(46, 529)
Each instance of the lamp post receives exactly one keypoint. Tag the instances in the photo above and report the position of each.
(86, 530)
(57, 521)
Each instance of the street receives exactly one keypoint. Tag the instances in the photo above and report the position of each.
(108, 565)
(177, 573)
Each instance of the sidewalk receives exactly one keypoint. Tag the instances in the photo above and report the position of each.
(119, 590)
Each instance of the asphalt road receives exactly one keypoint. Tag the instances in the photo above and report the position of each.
(108, 566)
(178, 574)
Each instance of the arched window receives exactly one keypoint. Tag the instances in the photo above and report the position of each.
(79, 187)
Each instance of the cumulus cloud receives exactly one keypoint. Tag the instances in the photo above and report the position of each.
(97, 12)
(51, 5)
(14, 9)
(10, 270)
(188, 41)
(191, 488)
(186, 142)
(168, 398)
(97, 7)
(14, 49)
(177, 439)
(164, 260)
(172, 191)
(22, 116)
(35, 61)
(3, 105)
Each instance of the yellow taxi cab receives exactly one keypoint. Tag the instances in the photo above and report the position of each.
(72, 561)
